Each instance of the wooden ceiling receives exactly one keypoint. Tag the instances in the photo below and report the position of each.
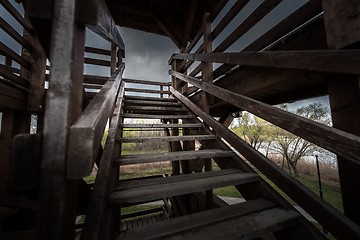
(180, 20)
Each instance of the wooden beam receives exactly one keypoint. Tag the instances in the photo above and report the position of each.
(63, 105)
(317, 60)
(167, 138)
(332, 139)
(339, 225)
(98, 51)
(7, 200)
(147, 82)
(189, 23)
(98, 215)
(167, 31)
(87, 132)
(342, 17)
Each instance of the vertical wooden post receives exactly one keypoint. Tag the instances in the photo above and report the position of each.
(345, 109)
(341, 18)
(207, 76)
(113, 56)
(63, 105)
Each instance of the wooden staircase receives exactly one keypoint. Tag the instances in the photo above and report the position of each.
(264, 214)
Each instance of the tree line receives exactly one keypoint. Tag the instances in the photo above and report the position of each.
(270, 139)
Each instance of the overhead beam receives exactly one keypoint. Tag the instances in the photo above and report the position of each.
(167, 31)
(189, 23)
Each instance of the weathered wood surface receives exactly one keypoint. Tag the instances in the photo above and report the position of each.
(8, 73)
(324, 213)
(99, 62)
(129, 107)
(342, 22)
(12, 10)
(169, 125)
(178, 185)
(151, 103)
(332, 139)
(15, 35)
(129, 97)
(19, 235)
(173, 156)
(157, 116)
(93, 79)
(97, 51)
(168, 138)
(146, 82)
(63, 105)
(97, 210)
(316, 60)
(14, 56)
(196, 221)
(7, 200)
(87, 132)
(146, 91)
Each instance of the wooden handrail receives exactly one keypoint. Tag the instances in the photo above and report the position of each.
(87, 131)
(334, 221)
(96, 225)
(332, 139)
(316, 60)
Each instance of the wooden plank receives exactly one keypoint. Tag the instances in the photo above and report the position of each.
(14, 56)
(174, 156)
(151, 108)
(157, 116)
(332, 139)
(93, 79)
(341, 18)
(196, 221)
(168, 138)
(96, 16)
(146, 91)
(7, 200)
(7, 73)
(63, 105)
(98, 62)
(142, 213)
(316, 60)
(151, 103)
(192, 183)
(162, 125)
(189, 23)
(12, 10)
(87, 132)
(95, 225)
(97, 51)
(14, 34)
(146, 82)
(324, 213)
(37, 79)
(150, 98)
(12, 92)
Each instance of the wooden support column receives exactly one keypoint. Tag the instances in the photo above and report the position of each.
(63, 105)
(345, 109)
(113, 61)
(342, 23)
(207, 76)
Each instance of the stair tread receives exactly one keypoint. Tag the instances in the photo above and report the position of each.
(167, 138)
(129, 97)
(173, 156)
(157, 116)
(156, 108)
(151, 102)
(137, 191)
(246, 220)
(161, 125)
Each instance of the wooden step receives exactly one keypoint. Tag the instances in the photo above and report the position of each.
(138, 191)
(146, 82)
(173, 156)
(249, 220)
(168, 138)
(141, 90)
(154, 108)
(160, 125)
(151, 103)
(129, 97)
(157, 116)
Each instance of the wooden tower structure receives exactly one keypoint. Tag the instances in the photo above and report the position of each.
(313, 51)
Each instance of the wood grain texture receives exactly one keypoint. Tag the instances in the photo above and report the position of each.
(168, 138)
(87, 132)
(324, 213)
(327, 137)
